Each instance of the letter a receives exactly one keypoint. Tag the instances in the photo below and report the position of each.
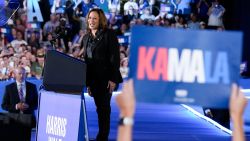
(221, 68)
(161, 64)
(33, 10)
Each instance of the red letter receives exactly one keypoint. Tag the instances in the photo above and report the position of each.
(145, 67)
(161, 64)
(144, 62)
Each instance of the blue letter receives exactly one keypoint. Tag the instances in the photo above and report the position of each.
(221, 68)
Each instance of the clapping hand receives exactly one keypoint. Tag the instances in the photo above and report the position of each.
(22, 106)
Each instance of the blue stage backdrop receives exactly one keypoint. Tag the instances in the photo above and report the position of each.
(191, 67)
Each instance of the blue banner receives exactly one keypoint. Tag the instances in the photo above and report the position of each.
(184, 66)
(60, 117)
(1, 4)
(103, 4)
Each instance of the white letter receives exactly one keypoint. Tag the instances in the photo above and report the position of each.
(64, 127)
(48, 125)
(33, 4)
(55, 126)
(177, 69)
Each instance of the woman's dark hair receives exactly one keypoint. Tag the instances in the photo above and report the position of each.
(103, 24)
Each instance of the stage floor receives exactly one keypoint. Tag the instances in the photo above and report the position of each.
(159, 123)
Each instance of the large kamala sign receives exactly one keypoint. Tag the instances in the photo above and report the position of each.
(184, 66)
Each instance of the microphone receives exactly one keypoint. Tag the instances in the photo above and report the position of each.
(54, 38)
(7, 10)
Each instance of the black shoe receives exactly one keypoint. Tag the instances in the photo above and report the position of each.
(208, 113)
(92, 140)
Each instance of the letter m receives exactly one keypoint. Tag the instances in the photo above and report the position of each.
(178, 68)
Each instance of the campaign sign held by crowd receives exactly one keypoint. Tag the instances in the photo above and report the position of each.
(184, 66)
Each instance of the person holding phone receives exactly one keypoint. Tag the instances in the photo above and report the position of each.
(215, 13)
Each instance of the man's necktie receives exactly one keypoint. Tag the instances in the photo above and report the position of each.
(20, 92)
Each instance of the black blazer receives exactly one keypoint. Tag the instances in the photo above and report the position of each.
(105, 62)
(11, 98)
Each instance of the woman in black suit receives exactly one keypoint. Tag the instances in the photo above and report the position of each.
(101, 53)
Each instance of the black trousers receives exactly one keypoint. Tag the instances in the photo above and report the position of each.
(102, 99)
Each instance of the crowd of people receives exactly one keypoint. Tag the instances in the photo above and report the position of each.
(24, 43)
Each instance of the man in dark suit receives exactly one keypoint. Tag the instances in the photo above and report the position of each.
(21, 100)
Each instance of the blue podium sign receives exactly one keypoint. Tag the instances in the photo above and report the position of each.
(60, 117)
(184, 66)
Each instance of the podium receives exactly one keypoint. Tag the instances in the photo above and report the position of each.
(62, 111)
